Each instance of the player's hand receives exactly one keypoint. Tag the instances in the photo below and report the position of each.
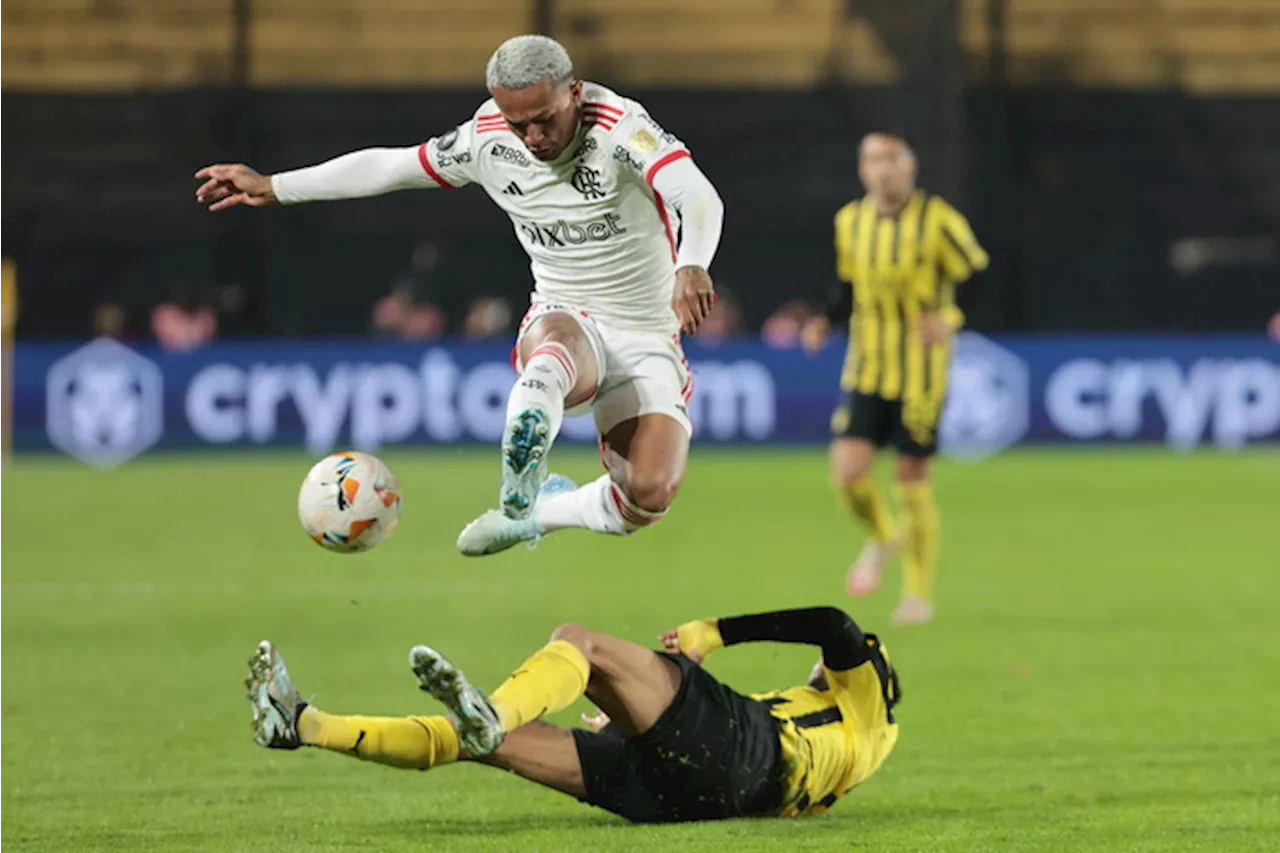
(695, 640)
(934, 329)
(226, 185)
(597, 721)
(694, 298)
(813, 337)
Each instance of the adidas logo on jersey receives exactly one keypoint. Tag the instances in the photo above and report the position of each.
(513, 189)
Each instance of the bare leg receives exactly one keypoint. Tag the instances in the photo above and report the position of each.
(655, 450)
(542, 753)
(630, 683)
(851, 460)
(646, 458)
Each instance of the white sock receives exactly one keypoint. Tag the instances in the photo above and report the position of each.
(600, 506)
(548, 377)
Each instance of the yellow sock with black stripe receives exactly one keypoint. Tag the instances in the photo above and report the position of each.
(415, 743)
(922, 529)
(865, 501)
(551, 680)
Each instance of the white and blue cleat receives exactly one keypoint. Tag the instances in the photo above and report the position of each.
(524, 448)
(479, 728)
(494, 532)
(275, 700)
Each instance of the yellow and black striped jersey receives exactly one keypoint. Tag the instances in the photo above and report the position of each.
(899, 268)
(834, 739)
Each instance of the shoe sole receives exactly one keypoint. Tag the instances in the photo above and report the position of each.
(478, 726)
(262, 673)
(522, 471)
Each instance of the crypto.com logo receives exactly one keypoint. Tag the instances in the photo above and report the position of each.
(989, 401)
(105, 404)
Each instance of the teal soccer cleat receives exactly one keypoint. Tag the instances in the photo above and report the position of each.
(524, 468)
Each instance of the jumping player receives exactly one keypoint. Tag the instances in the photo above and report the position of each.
(596, 190)
(672, 743)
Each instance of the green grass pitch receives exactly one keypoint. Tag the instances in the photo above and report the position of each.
(1104, 674)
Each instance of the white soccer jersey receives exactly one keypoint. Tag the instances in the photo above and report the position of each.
(598, 235)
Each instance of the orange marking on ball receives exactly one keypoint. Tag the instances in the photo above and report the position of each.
(358, 528)
(349, 488)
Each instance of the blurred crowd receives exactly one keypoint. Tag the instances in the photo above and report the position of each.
(415, 306)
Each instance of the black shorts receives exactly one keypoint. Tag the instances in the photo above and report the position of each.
(881, 422)
(713, 754)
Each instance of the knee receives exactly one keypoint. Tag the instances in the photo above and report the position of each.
(912, 470)
(652, 491)
(843, 478)
(846, 473)
(850, 463)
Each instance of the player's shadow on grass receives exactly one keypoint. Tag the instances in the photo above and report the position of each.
(482, 826)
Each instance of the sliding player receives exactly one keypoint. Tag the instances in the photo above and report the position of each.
(672, 742)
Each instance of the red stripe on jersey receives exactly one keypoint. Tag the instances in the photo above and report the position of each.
(599, 119)
(488, 116)
(656, 167)
(605, 107)
(426, 167)
(666, 222)
(490, 122)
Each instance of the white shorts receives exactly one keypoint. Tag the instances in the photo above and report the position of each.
(640, 373)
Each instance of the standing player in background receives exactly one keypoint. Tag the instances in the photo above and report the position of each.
(900, 252)
(595, 189)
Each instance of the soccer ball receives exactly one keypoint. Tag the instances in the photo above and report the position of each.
(349, 502)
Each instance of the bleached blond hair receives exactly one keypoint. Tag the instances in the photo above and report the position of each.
(525, 61)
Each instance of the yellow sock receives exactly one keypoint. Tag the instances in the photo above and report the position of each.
(417, 743)
(923, 530)
(864, 500)
(549, 681)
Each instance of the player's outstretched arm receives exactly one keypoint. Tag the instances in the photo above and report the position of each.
(360, 174)
(843, 643)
